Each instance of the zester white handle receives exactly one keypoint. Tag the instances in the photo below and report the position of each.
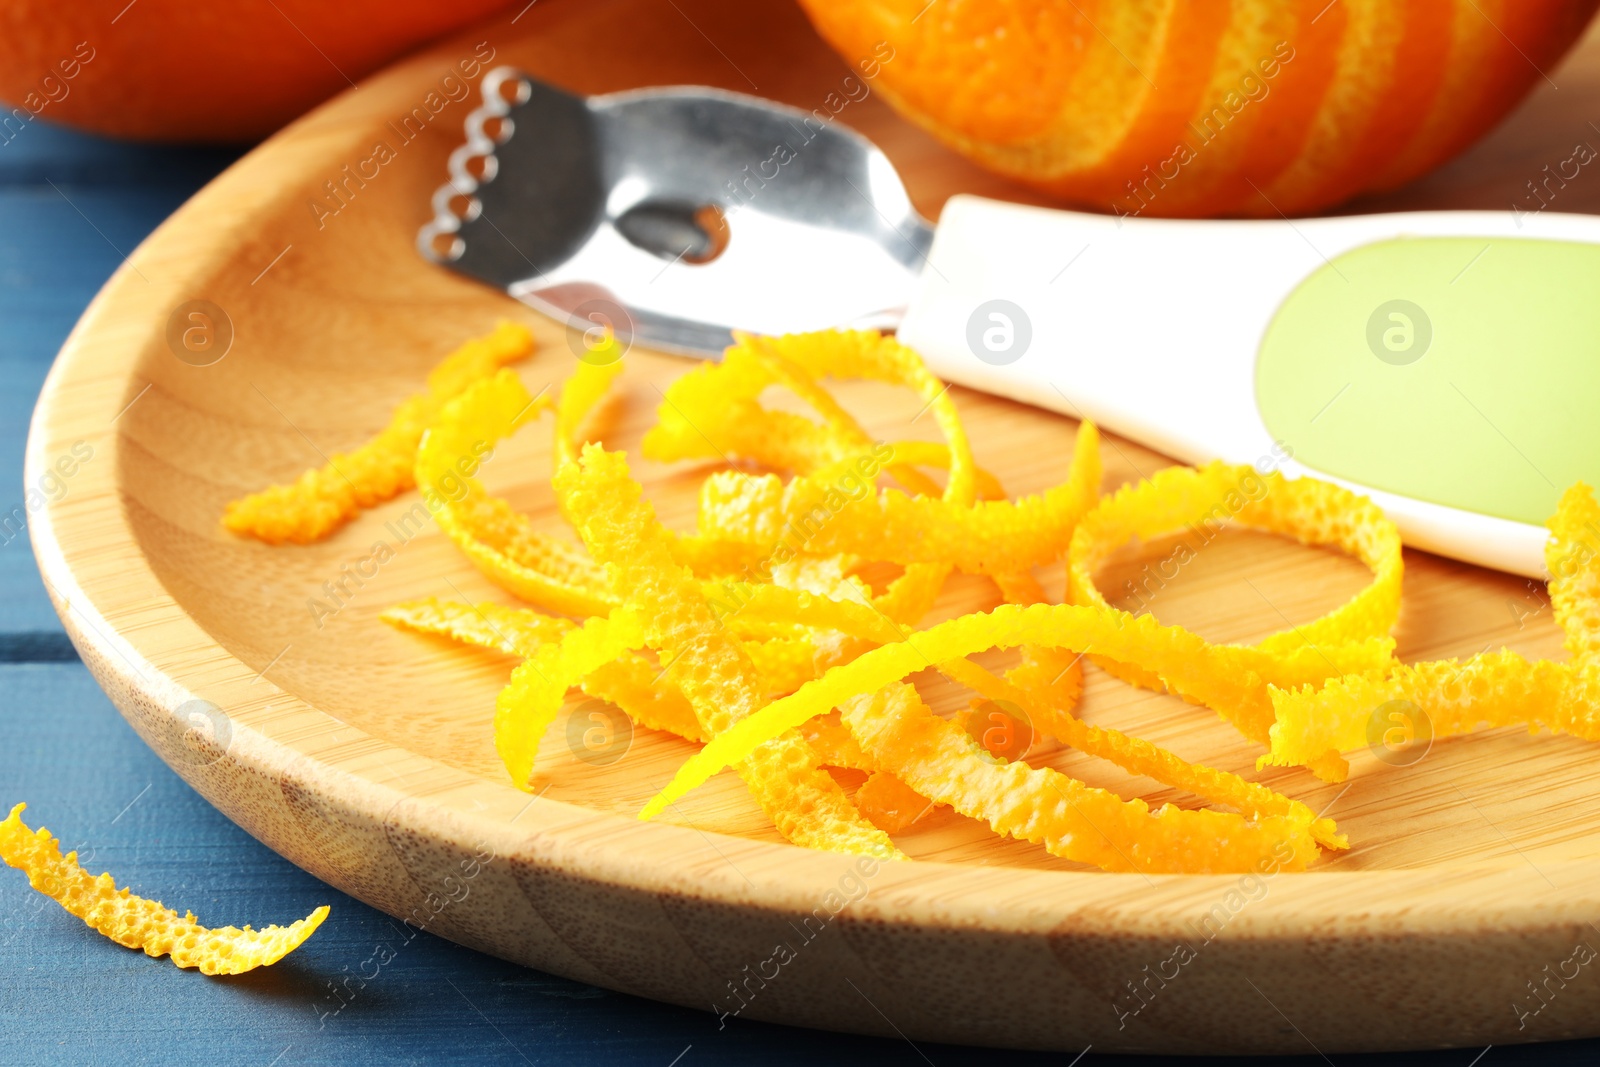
(1151, 328)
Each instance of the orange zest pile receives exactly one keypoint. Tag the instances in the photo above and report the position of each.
(787, 633)
(135, 922)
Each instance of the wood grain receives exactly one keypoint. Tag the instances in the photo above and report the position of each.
(365, 756)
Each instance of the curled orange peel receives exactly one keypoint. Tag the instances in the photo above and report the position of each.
(631, 682)
(548, 571)
(581, 393)
(499, 540)
(1314, 724)
(637, 687)
(1352, 638)
(325, 498)
(1232, 680)
(1054, 676)
(713, 412)
(135, 922)
(798, 360)
(1205, 499)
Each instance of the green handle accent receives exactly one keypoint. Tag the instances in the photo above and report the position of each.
(1456, 370)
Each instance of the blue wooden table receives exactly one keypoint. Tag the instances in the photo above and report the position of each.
(70, 207)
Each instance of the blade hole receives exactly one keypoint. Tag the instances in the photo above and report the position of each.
(447, 247)
(515, 91)
(499, 128)
(482, 168)
(676, 230)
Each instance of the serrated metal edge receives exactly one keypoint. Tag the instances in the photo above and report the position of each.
(461, 182)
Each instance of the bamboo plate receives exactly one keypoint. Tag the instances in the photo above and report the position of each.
(364, 755)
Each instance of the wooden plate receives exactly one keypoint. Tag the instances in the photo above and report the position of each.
(364, 754)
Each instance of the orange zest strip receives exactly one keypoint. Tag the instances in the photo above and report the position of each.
(986, 537)
(631, 683)
(500, 541)
(1210, 675)
(627, 682)
(909, 455)
(702, 658)
(325, 498)
(1140, 757)
(1572, 556)
(1315, 723)
(1453, 697)
(715, 410)
(785, 661)
(939, 760)
(514, 631)
(581, 394)
(135, 922)
(1204, 499)
(1053, 675)
(893, 806)
(912, 595)
(834, 744)
(532, 699)
(635, 685)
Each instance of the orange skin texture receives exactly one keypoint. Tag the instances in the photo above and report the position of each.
(1101, 102)
(179, 70)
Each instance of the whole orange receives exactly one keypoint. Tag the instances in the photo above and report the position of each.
(186, 70)
(1205, 107)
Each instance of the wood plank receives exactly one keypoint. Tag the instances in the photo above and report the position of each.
(71, 206)
(43, 152)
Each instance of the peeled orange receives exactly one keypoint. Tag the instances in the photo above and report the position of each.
(1205, 107)
(177, 70)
